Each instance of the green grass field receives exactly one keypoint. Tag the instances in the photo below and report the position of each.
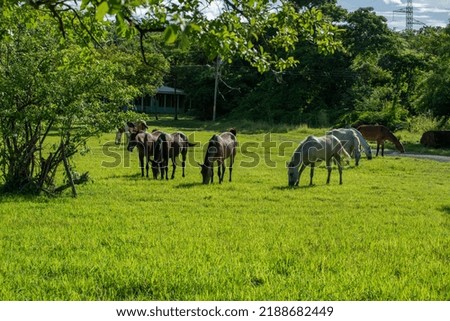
(382, 235)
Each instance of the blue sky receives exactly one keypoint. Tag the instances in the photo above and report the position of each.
(430, 12)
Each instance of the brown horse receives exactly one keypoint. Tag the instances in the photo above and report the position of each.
(145, 143)
(220, 147)
(380, 134)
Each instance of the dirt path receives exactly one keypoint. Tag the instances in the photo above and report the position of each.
(437, 158)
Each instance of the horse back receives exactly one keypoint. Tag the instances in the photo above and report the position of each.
(348, 138)
(372, 132)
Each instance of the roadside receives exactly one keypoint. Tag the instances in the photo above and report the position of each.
(438, 158)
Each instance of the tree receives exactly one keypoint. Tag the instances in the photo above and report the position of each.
(48, 85)
(367, 32)
(432, 94)
(253, 30)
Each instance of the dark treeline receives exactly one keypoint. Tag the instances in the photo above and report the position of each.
(379, 76)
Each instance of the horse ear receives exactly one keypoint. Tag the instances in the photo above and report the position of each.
(287, 164)
(130, 124)
(201, 165)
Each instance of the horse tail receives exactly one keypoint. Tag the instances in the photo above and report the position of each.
(233, 131)
(343, 152)
(158, 148)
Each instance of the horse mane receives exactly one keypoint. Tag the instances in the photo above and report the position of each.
(390, 136)
(297, 159)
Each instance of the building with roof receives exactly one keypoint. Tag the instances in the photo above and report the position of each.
(168, 100)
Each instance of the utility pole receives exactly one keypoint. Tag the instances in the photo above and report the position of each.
(216, 86)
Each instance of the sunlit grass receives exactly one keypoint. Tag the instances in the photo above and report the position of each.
(382, 235)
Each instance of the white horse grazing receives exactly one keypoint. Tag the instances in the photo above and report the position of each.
(363, 142)
(349, 140)
(314, 150)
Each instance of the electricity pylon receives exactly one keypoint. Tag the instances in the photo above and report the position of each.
(409, 12)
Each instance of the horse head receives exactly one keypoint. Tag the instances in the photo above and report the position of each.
(400, 147)
(292, 173)
(207, 173)
(132, 142)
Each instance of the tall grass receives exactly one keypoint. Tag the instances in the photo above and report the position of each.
(382, 235)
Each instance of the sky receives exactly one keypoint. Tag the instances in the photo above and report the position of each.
(430, 12)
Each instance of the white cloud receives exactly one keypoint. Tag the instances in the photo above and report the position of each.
(399, 2)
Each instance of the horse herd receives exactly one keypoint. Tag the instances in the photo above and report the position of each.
(159, 148)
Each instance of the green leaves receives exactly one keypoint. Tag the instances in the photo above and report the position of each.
(171, 34)
(102, 10)
(75, 90)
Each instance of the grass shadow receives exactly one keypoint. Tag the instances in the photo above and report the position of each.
(286, 188)
(129, 176)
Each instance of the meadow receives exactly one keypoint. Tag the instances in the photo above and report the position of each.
(382, 235)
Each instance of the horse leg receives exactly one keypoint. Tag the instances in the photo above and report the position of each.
(357, 156)
(183, 161)
(338, 161)
(212, 172)
(147, 158)
(118, 137)
(329, 169)
(223, 171)
(378, 148)
(141, 165)
(161, 169)
(174, 167)
(174, 162)
(382, 149)
(219, 172)
(311, 174)
(231, 166)
(166, 166)
(141, 162)
(302, 168)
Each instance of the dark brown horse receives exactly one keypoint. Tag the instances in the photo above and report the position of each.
(436, 138)
(220, 147)
(145, 143)
(380, 134)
